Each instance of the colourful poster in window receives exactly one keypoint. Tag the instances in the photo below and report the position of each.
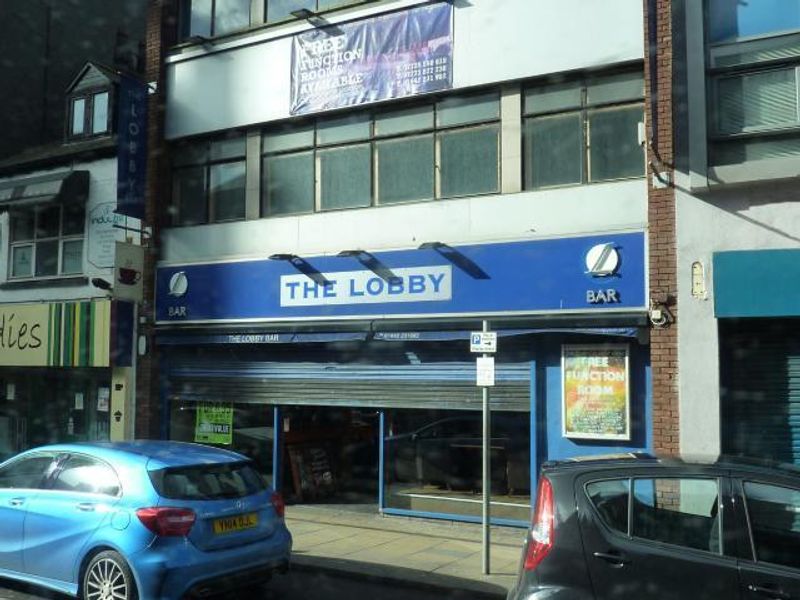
(214, 424)
(596, 394)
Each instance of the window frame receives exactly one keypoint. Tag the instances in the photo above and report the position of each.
(205, 165)
(185, 22)
(34, 241)
(373, 139)
(88, 95)
(584, 111)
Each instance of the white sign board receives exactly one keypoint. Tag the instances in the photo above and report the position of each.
(485, 371)
(128, 268)
(483, 341)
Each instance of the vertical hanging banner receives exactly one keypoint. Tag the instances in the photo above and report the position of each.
(393, 56)
(596, 402)
(131, 147)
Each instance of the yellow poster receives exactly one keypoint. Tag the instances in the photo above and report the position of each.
(24, 334)
(596, 395)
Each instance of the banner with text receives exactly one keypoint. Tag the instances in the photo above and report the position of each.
(393, 56)
(596, 399)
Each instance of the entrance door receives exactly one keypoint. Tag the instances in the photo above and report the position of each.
(670, 548)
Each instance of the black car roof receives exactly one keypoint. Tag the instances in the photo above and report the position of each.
(636, 459)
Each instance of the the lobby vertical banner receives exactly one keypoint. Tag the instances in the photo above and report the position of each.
(131, 147)
(596, 392)
(392, 56)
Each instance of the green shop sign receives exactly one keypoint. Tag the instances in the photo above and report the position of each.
(214, 423)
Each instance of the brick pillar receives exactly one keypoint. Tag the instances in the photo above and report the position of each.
(159, 36)
(661, 220)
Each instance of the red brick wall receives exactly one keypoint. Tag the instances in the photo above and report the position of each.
(160, 35)
(661, 219)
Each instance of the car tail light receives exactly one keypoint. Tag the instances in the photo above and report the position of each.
(167, 521)
(278, 504)
(543, 526)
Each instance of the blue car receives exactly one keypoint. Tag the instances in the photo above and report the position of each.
(141, 519)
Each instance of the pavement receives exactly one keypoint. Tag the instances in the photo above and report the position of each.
(417, 553)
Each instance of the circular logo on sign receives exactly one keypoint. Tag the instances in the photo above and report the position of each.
(602, 260)
(178, 284)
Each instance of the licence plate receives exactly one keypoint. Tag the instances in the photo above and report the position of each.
(237, 523)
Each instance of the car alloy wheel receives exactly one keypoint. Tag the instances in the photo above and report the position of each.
(108, 577)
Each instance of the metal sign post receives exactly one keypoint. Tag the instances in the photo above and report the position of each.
(487, 482)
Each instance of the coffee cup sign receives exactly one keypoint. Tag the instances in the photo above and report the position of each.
(129, 265)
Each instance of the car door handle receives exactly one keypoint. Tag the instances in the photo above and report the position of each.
(616, 559)
(86, 507)
(769, 592)
(17, 501)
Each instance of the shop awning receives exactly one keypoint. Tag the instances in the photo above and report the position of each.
(65, 186)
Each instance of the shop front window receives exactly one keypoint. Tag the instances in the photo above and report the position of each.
(244, 428)
(433, 463)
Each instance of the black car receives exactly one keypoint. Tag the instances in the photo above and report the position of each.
(636, 527)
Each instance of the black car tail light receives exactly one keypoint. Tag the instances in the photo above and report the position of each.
(166, 521)
(543, 526)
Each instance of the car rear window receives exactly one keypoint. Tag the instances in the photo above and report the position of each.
(208, 482)
(610, 498)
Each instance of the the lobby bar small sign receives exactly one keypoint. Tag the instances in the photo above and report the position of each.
(392, 56)
(596, 392)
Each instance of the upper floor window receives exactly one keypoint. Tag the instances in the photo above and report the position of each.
(209, 181)
(209, 18)
(47, 241)
(280, 10)
(730, 20)
(440, 149)
(583, 131)
(89, 114)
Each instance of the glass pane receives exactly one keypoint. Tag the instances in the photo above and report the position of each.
(758, 100)
(405, 120)
(615, 88)
(200, 23)
(346, 177)
(553, 97)
(26, 473)
(22, 261)
(553, 148)
(469, 162)
(343, 129)
(459, 110)
(78, 116)
(47, 258)
(74, 219)
(84, 475)
(288, 184)
(288, 138)
(231, 15)
(327, 4)
(610, 498)
(405, 169)
(194, 153)
(189, 196)
(677, 511)
(100, 113)
(278, 10)
(47, 221)
(775, 520)
(72, 257)
(22, 226)
(733, 19)
(433, 462)
(234, 147)
(614, 150)
(227, 183)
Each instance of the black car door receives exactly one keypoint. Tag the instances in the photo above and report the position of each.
(657, 533)
(769, 514)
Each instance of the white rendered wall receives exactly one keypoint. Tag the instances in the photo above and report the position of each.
(529, 215)
(756, 218)
(247, 81)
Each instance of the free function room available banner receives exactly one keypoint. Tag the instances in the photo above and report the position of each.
(596, 394)
(393, 56)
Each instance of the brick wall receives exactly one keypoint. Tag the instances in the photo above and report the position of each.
(661, 219)
(159, 37)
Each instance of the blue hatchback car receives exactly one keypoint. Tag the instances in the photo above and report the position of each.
(141, 519)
